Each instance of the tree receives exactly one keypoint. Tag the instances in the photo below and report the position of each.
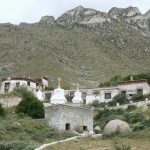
(29, 105)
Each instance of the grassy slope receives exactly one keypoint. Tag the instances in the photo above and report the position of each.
(32, 131)
(76, 55)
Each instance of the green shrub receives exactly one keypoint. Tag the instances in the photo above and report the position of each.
(120, 98)
(146, 123)
(95, 103)
(131, 107)
(137, 97)
(16, 145)
(29, 105)
(133, 117)
(138, 127)
(2, 111)
(104, 116)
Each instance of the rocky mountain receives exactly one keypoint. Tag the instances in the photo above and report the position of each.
(83, 45)
(84, 16)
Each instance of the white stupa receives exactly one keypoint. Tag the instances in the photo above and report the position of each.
(59, 95)
(39, 95)
(77, 99)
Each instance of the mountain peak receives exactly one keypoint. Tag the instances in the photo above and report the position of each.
(47, 20)
(147, 14)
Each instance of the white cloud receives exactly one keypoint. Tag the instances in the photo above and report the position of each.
(16, 11)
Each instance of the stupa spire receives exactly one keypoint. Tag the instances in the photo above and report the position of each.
(59, 82)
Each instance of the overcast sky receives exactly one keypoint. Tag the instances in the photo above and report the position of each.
(16, 11)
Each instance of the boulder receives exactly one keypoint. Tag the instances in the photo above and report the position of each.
(97, 129)
(117, 127)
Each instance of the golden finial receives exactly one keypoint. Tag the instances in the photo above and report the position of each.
(59, 82)
(131, 78)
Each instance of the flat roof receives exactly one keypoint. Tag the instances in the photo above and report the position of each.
(67, 105)
(132, 81)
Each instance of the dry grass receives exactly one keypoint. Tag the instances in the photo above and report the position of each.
(89, 144)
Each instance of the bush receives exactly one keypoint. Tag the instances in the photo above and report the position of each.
(29, 105)
(120, 98)
(2, 111)
(138, 127)
(133, 117)
(104, 116)
(95, 103)
(131, 107)
(137, 97)
(16, 145)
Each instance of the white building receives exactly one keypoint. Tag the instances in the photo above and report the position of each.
(106, 94)
(134, 86)
(34, 86)
(9, 84)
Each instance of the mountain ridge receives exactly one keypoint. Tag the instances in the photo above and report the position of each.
(74, 50)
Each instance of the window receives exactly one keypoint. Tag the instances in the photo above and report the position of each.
(68, 126)
(124, 92)
(140, 91)
(28, 83)
(85, 128)
(17, 84)
(107, 95)
(6, 88)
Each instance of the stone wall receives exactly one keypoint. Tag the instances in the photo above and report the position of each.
(10, 101)
(60, 115)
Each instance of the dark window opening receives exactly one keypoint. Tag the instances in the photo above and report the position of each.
(130, 95)
(124, 92)
(68, 126)
(17, 84)
(85, 128)
(107, 95)
(6, 88)
(28, 83)
(140, 91)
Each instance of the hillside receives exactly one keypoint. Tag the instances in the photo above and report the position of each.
(83, 45)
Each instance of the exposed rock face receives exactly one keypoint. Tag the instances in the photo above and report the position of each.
(117, 126)
(147, 15)
(81, 15)
(47, 20)
(130, 16)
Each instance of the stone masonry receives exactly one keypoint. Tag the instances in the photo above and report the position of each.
(65, 117)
